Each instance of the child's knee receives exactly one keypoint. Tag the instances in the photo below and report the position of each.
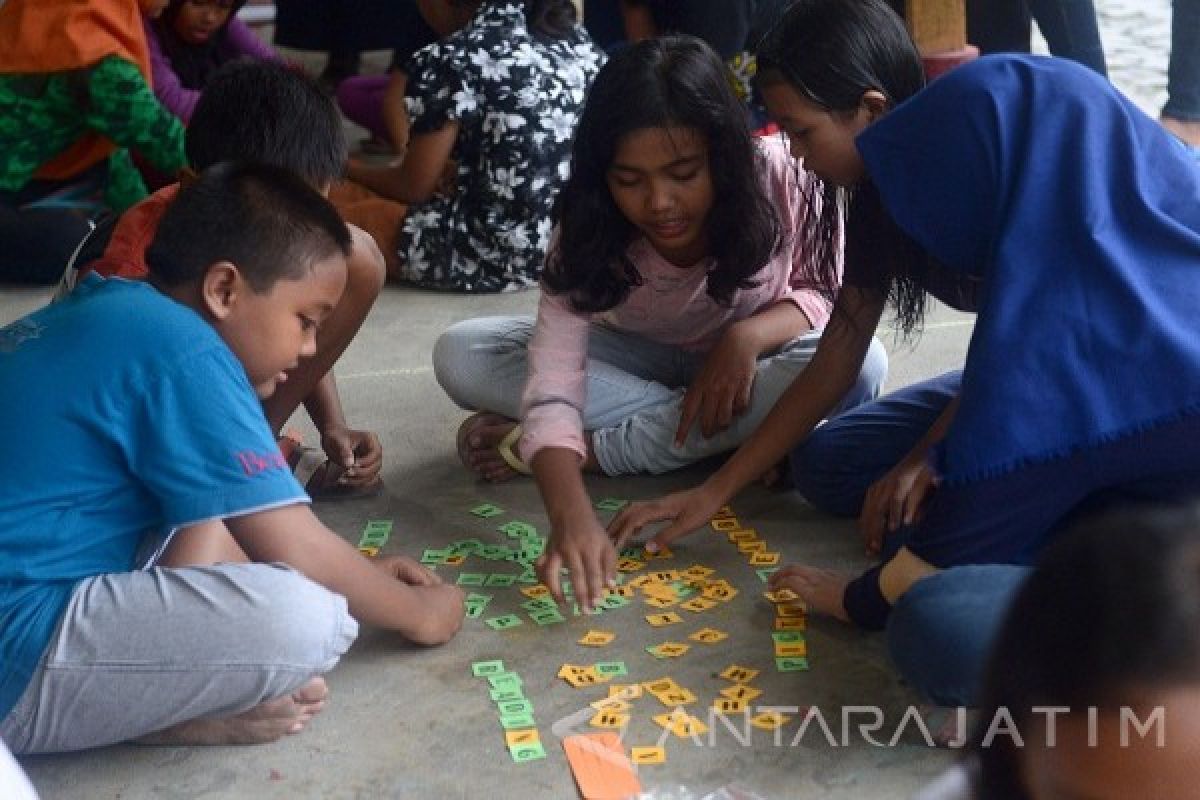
(819, 474)
(941, 630)
(873, 373)
(303, 625)
(451, 354)
(366, 269)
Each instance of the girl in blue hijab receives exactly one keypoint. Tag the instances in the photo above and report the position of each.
(1029, 191)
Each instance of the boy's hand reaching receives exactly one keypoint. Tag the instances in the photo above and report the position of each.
(406, 570)
(358, 453)
(589, 556)
(440, 605)
(441, 614)
(721, 390)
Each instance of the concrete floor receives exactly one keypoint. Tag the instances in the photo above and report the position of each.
(413, 723)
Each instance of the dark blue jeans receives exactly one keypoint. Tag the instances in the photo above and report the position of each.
(1070, 28)
(1183, 72)
(940, 631)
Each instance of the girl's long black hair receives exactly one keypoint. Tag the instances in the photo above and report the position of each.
(831, 52)
(1136, 573)
(675, 81)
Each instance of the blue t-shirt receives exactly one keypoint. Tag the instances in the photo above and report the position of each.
(123, 414)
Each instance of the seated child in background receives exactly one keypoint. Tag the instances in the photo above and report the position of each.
(495, 104)
(153, 409)
(267, 113)
(376, 102)
(190, 41)
(75, 99)
(723, 24)
(677, 302)
(1109, 620)
(731, 27)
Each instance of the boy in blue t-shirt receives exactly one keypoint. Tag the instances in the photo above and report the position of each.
(140, 406)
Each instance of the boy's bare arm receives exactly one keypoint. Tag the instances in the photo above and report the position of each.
(293, 535)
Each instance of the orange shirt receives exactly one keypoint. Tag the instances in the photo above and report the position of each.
(125, 255)
(46, 36)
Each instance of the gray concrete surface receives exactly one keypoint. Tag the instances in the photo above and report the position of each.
(413, 723)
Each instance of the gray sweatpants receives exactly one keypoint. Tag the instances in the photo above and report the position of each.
(138, 652)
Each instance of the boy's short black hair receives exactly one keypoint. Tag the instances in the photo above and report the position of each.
(264, 219)
(1135, 571)
(262, 111)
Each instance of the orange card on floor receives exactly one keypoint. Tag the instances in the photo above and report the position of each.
(600, 766)
(708, 636)
(741, 692)
(625, 691)
(698, 604)
(790, 624)
(769, 720)
(527, 736)
(739, 674)
(729, 705)
(596, 639)
(648, 755)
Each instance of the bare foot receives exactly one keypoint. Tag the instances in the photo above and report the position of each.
(821, 589)
(478, 439)
(1187, 130)
(264, 723)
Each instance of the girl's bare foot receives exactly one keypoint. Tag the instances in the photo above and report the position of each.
(264, 723)
(821, 589)
(479, 440)
(1188, 130)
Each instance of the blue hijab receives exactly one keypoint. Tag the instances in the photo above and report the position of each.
(1081, 216)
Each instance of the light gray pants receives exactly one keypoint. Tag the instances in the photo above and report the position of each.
(635, 388)
(138, 652)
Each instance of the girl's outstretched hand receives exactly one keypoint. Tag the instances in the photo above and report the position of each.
(896, 499)
(590, 559)
(686, 511)
(721, 390)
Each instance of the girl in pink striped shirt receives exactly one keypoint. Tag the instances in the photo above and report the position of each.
(678, 301)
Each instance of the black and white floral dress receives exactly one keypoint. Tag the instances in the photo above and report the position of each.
(516, 97)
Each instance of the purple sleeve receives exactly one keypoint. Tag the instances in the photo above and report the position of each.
(245, 42)
(167, 86)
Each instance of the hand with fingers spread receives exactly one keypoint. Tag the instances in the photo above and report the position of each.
(406, 570)
(721, 390)
(588, 555)
(686, 511)
(895, 500)
(357, 453)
